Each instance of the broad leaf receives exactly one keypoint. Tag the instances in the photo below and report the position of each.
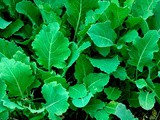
(146, 100)
(112, 93)
(30, 10)
(95, 82)
(142, 53)
(107, 65)
(55, 47)
(102, 34)
(143, 8)
(123, 113)
(82, 68)
(17, 76)
(8, 49)
(56, 99)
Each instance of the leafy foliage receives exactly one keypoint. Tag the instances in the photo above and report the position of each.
(71, 59)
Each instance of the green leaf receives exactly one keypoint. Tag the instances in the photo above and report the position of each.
(142, 53)
(127, 115)
(11, 4)
(30, 10)
(57, 79)
(82, 68)
(2, 89)
(112, 93)
(133, 100)
(115, 14)
(102, 34)
(141, 83)
(153, 21)
(129, 3)
(56, 99)
(79, 95)
(8, 49)
(49, 10)
(12, 28)
(137, 23)
(17, 76)
(81, 102)
(93, 106)
(55, 47)
(95, 82)
(111, 107)
(84, 46)
(143, 8)
(93, 16)
(130, 36)
(104, 51)
(4, 115)
(107, 65)
(157, 91)
(120, 73)
(101, 115)
(146, 100)
(77, 91)
(51, 5)
(75, 52)
(4, 23)
(20, 56)
(76, 11)
(11, 105)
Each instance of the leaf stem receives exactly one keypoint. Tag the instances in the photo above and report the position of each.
(136, 74)
(78, 21)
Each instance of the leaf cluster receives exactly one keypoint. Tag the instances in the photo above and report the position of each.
(97, 59)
